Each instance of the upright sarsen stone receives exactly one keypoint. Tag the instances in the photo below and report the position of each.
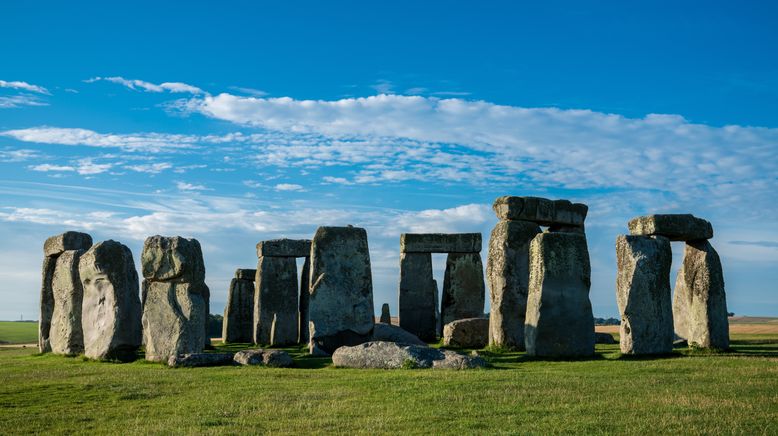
(463, 288)
(305, 289)
(341, 296)
(111, 309)
(172, 259)
(643, 294)
(507, 269)
(418, 296)
(275, 301)
(65, 335)
(559, 321)
(238, 323)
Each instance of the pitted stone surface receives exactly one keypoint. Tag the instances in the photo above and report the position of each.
(540, 210)
(392, 333)
(168, 259)
(643, 294)
(56, 245)
(66, 336)
(111, 309)
(174, 316)
(463, 288)
(246, 274)
(440, 243)
(341, 297)
(389, 355)
(466, 333)
(700, 302)
(507, 269)
(284, 248)
(676, 227)
(238, 325)
(275, 301)
(271, 358)
(418, 296)
(559, 321)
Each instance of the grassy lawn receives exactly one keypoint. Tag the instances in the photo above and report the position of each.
(12, 332)
(688, 392)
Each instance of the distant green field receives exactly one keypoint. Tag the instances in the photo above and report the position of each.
(694, 392)
(18, 332)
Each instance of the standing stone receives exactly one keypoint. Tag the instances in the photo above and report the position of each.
(507, 269)
(466, 333)
(559, 321)
(463, 288)
(305, 285)
(418, 299)
(111, 310)
(238, 323)
(386, 317)
(175, 297)
(643, 294)
(341, 300)
(700, 303)
(275, 302)
(65, 335)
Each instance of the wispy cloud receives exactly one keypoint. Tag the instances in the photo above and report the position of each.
(135, 84)
(14, 101)
(183, 186)
(766, 244)
(288, 187)
(83, 167)
(24, 86)
(249, 91)
(154, 168)
(151, 142)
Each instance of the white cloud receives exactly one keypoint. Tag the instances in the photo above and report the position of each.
(86, 167)
(24, 86)
(174, 87)
(288, 187)
(14, 101)
(336, 180)
(50, 167)
(183, 186)
(154, 168)
(18, 155)
(151, 142)
(249, 91)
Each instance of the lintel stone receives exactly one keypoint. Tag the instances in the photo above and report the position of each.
(56, 245)
(540, 210)
(440, 243)
(676, 227)
(246, 274)
(284, 248)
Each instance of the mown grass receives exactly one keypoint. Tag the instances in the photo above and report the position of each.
(14, 332)
(688, 392)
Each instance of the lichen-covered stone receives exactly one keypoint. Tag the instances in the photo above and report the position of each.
(284, 248)
(238, 324)
(200, 359)
(643, 294)
(507, 269)
(271, 358)
(466, 333)
(463, 288)
(676, 227)
(440, 243)
(540, 210)
(172, 259)
(418, 299)
(66, 336)
(390, 355)
(275, 302)
(174, 318)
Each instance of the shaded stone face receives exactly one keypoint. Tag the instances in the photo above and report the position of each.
(284, 248)
(386, 317)
(66, 336)
(643, 294)
(111, 309)
(168, 259)
(463, 288)
(700, 302)
(275, 302)
(559, 321)
(440, 243)
(246, 274)
(676, 227)
(238, 323)
(466, 333)
(507, 269)
(418, 295)
(341, 293)
(56, 245)
(540, 210)
(305, 280)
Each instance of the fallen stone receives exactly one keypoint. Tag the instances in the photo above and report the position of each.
(200, 359)
(540, 210)
(238, 324)
(271, 358)
(305, 295)
(559, 321)
(66, 336)
(172, 259)
(246, 274)
(173, 319)
(604, 338)
(392, 333)
(676, 227)
(643, 294)
(275, 301)
(463, 288)
(440, 243)
(466, 333)
(386, 317)
(418, 296)
(111, 309)
(389, 355)
(700, 302)
(341, 296)
(284, 248)
(56, 245)
(507, 269)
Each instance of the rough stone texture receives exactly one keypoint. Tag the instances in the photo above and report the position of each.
(341, 299)
(418, 296)
(66, 336)
(305, 294)
(392, 333)
(275, 302)
(389, 355)
(111, 309)
(463, 288)
(676, 227)
(173, 319)
(272, 358)
(540, 210)
(200, 359)
(386, 317)
(559, 321)
(440, 243)
(238, 325)
(284, 248)
(604, 338)
(700, 303)
(643, 294)
(466, 333)
(172, 259)
(56, 245)
(246, 274)
(507, 269)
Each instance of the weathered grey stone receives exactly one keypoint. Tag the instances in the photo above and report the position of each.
(66, 336)
(238, 324)
(643, 294)
(540, 210)
(418, 296)
(440, 243)
(466, 333)
(559, 321)
(201, 359)
(284, 248)
(386, 317)
(392, 333)
(56, 245)
(341, 297)
(173, 319)
(275, 302)
(700, 302)
(111, 309)
(676, 227)
(604, 338)
(507, 269)
(246, 274)
(172, 259)
(389, 355)
(305, 294)
(463, 288)
(271, 358)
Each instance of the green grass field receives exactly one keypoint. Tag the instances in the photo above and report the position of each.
(12, 332)
(689, 392)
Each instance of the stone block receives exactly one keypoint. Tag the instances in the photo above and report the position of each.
(246, 274)
(56, 245)
(418, 296)
(284, 248)
(172, 259)
(66, 336)
(238, 324)
(676, 227)
(440, 243)
(463, 288)
(540, 210)
(275, 302)
(466, 333)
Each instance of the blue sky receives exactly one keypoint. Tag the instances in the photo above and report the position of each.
(256, 121)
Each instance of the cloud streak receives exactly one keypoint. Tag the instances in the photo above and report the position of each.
(141, 85)
(24, 86)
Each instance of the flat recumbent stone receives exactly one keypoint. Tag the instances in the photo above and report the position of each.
(676, 227)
